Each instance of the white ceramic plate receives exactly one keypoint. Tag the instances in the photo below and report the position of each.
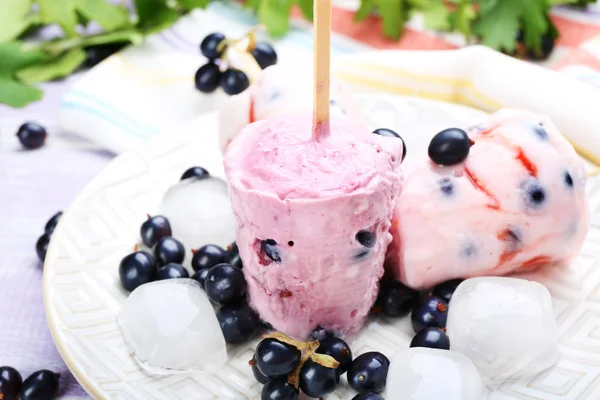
(83, 293)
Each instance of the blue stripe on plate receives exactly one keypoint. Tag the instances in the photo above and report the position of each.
(111, 113)
(82, 108)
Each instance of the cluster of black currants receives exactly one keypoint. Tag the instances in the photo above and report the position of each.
(41, 385)
(41, 246)
(428, 315)
(287, 367)
(218, 271)
(233, 81)
(141, 267)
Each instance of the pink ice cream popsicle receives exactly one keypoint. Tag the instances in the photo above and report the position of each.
(279, 90)
(313, 220)
(516, 203)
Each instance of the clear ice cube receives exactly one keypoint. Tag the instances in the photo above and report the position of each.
(200, 213)
(506, 326)
(170, 326)
(421, 373)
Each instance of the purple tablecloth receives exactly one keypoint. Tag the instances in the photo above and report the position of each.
(33, 186)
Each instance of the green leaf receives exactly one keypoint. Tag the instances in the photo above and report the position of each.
(436, 16)
(275, 14)
(307, 8)
(15, 57)
(419, 4)
(108, 16)
(534, 24)
(499, 26)
(486, 6)
(57, 68)
(67, 14)
(393, 16)
(154, 15)
(366, 8)
(16, 94)
(191, 4)
(60, 45)
(462, 18)
(13, 18)
(253, 4)
(61, 12)
(559, 2)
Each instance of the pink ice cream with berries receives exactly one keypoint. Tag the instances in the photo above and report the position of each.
(516, 203)
(313, 220)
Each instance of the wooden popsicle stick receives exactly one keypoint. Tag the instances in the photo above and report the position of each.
(594, 172)
(322, 18)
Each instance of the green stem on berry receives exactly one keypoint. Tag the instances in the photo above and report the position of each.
(309, 350)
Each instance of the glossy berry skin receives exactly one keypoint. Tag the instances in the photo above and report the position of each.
(338, 349)
(169, 250)
(172, 271)
(41, 246)
(97, 53)
(32, 135)
(41, 385)
(200, 276)
(449, 147)
(52, 222)
(276, 359)
(225, 284)
(10, 383)
(368, 396)
(195, 172)
(320, 333)
(259, 376)
(234, 81)
(395, 299)
(446, 289)
(264, 54)
(318, 381)
(209, 45)
(154, 229)
(368, 372)
(208, 77)
(279, 389)
(233, 255)
(208, 256)
(431, 312)
(433, 338)
(137, 269)
(238, 322)
(390, 133)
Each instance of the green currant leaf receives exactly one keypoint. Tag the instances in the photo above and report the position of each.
(307, 8)
(366, 8)
(275, 14)
(499, 26)
(57, 68)
(393, 16)
(13, 18)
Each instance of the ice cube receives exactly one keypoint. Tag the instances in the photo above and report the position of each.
(506, 326)
(200, 213)
(421, 373)
(170, 326)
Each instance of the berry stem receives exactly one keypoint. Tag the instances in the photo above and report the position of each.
(309, 350)
(594, 172)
